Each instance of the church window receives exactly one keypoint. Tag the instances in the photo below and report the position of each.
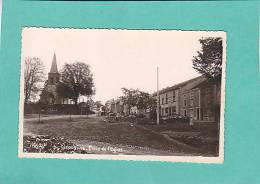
(51, 80)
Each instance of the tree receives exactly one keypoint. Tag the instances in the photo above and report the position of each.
(137, 98)
(44, 94)
(76, 79)
(90, 103)
(98, 104)
(130, 97)
(33, 78)
(208, 61)
(107, 105)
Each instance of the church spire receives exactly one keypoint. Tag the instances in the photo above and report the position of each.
(54, 68)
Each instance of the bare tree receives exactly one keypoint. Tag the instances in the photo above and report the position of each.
(33, 78)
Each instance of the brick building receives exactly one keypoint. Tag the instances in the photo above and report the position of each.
(198, 98)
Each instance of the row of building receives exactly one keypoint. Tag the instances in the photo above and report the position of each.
(198, 98)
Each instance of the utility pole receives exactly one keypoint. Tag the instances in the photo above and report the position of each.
(158, 98)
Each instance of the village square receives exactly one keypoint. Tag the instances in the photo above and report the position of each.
(63, 115)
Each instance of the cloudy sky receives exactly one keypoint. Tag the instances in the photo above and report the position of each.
(118, 58)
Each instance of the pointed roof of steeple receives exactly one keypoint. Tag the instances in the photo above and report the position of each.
(54, 68)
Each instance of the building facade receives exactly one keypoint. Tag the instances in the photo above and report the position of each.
(118, 106)
(169, 102)
(197, 98)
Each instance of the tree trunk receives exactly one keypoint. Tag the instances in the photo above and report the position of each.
(76, 105)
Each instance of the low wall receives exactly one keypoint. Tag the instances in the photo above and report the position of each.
(56, 109)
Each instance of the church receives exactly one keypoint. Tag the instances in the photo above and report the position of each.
(49, 94)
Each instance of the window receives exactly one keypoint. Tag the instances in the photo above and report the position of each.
(184, 101)
(173, 110)
(162, 100)
(173, 96)
(191, 102)
(166, 98)
(166, 110)
(191, 96)
(191, 113)
(162, 112)
(198, 114)
(170, 110)
(184, 112)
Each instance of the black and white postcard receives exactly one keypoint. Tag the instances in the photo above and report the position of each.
(154, 95)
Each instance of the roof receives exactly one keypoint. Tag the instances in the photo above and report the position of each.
(193, 84)
(186, 85)
(54, 68)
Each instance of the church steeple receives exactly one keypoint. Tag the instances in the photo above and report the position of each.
(53, 76)
(54, 68)
(52, 96)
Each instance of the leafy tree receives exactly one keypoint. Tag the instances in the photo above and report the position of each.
(76, 79)
(130, 97)
(33, 78)
(98, 104)
(208, 61)
(107, 104)
(90, 103)
(140, 99)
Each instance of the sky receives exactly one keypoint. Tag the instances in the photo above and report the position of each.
(119, 58)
